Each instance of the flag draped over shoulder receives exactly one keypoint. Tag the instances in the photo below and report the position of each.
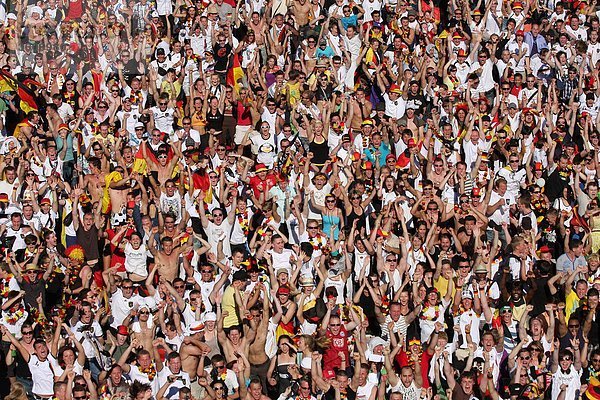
(27, 96)
(235, 73)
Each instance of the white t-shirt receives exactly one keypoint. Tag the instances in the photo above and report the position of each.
(502, 213)
(42, 375)
(121, 306)
(183, 380)
(135, 260)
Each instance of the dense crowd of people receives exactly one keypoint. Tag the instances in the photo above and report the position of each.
(299, 200)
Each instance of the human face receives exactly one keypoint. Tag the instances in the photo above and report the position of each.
(467, 385)
(116, 375)
(406, 377)
(127, 289)
(565, 362)
(41, 350)
(234, 336)
(335, 325)
(395, 312)
(144, 360)
(256, 390)
(175, 365)
(88, 221)
(593, 302)
(278, 244)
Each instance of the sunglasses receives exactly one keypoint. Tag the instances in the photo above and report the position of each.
(127, 287)
(179, 287)
(27, 333)
(144, 312)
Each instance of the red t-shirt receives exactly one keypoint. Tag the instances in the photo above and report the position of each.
(339, 342)
(259, 186)
(403, 360)
(244, 116)
(75, 9)
(118, 255)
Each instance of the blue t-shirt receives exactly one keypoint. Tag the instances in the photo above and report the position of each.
(326, 52)
(351, 20)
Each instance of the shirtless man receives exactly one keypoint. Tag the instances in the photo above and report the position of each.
(259, 361)
(361, 109)
(94, 181)
(258, 26)
(167, 259)
(233, 342)
(253, 392)
(302, 10)
(191, 350)
(26, 341)
(118, 191)
(162, 170)
(144, 329)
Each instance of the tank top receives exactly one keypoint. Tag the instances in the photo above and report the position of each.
(320, 151)
(339, 285)
(214, 121)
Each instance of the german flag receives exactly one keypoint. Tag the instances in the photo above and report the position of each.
(27, 96)
(235, 73)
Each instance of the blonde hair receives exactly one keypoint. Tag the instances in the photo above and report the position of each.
(17, 392)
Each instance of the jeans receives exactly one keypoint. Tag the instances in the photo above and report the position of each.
(27, 385)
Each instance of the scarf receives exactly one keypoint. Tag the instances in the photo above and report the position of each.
(4, 286)
(13, 317)
(150, 371)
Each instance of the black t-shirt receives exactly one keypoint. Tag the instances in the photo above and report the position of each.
(32, 291)
(221, 54)
(214, 121)
(130, 69)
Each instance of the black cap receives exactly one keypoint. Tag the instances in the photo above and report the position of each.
(160, 51)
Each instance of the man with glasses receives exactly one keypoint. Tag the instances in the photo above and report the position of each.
(593, 367)
(515, 176)
(163, 116)
(43, 366)
(123, 299)
(566, 370)
(88, 331)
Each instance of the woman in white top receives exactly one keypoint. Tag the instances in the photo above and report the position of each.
(68, 356)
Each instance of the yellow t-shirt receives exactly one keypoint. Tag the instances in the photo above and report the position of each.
(441, 285)
(228, 304)
(293, 93)
(166, 88)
